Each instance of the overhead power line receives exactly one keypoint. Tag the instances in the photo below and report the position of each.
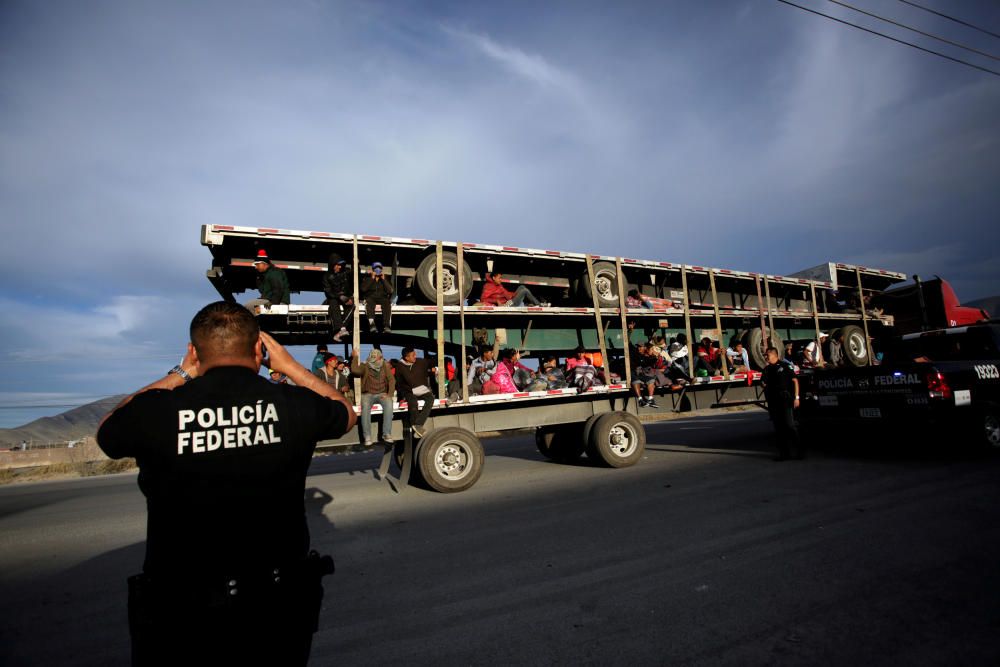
(919, 32)
(950, 18)
(894, 39)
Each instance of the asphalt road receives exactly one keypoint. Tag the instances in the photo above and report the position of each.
(705, 553)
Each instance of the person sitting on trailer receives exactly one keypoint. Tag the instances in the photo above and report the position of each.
(378, 385)
(581, 372)
(338, 296)
(739, 360)
(837, 349)
(550, 375)
(334, 377)
(501, 382)
(812, 355)
(412, 386)
(647, 371)
(320, 358)
(495, 294)
(636, 299)
(376, 291)
(521, 374)
(708, 357)
(272, 283)
(481, 370)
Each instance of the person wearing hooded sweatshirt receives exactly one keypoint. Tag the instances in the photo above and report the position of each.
(378, 385)
(271, 282)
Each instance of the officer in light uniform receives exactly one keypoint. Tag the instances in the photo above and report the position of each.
(228, 577)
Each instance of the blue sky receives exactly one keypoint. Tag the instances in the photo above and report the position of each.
(747, 135)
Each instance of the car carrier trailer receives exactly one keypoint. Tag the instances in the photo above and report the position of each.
(588, 308)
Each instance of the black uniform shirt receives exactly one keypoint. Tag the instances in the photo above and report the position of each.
(222, 463)
(779, 381)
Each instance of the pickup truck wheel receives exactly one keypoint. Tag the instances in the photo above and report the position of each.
(991, 430)
(753, 343)
(618, 439)
(450, 459)
(562, 444)
(427, 278)
(855, 346)
(605, 284)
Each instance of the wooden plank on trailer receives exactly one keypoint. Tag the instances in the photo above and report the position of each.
(864, 315)
(626, 338)
(439, 288)
(687, 321)
(718, 323)
(812, 288)
(769, 338)
(597, 318)
(356, 328)
(461, 321)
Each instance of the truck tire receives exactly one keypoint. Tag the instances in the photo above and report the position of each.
(562, 443)
(617, 440)
(450, 459)
(855, 346)
(428, 284)
(606, 283)
(990, 433)
(752, 343)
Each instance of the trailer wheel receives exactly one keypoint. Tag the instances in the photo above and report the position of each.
(563, 443)
(855, 346)
(605, 284)
(450, 459)
(427, 280)
(618, 440)
(753, 343)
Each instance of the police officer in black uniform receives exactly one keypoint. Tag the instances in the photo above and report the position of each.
(781, 389)
(228, 577)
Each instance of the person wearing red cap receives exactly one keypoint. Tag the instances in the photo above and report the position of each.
(271, 282)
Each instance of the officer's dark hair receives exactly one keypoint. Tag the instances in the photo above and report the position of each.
(405, 351)
(772, 349)
(224, 329)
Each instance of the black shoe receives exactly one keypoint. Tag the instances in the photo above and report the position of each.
(371, 328)
(386, 330)
(650, 403)
(642, 403)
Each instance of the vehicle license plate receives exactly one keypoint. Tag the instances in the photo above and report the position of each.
(871, 413)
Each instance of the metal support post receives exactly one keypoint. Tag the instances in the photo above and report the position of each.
(687, 321)
(441, 375)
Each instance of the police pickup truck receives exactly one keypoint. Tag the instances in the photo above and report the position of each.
(948, 378)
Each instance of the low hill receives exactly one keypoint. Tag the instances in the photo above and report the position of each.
(70, 425)
(990, 304)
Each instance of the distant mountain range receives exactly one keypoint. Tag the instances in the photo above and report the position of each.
(70, 425)
(990, 304)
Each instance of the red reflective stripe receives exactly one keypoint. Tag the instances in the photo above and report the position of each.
(554, 391)
(511, 249)
(724, 271)
(697, 268)
(553, 252)
(372, 238)
(424, 242)
(468, 245)
(313, 268)
(522, 394)
(320, 234)
(630, 261)
(665, 264)
(227, 228)
(266, 230)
